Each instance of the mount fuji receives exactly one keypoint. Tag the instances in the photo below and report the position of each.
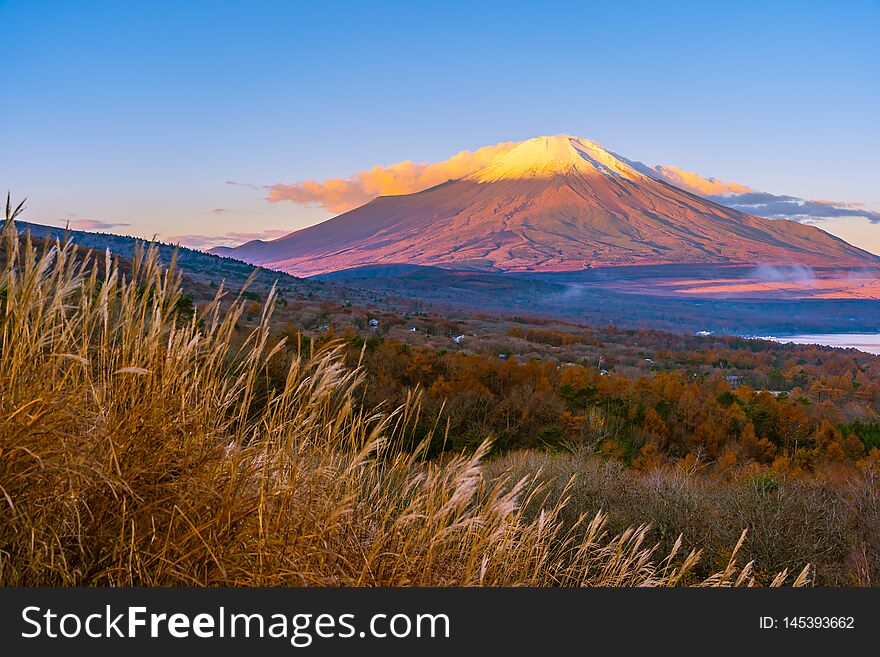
(550, 204)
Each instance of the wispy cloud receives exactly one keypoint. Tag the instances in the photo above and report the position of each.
(341, 194)
(695, 183)
(91, 224)
(232, 238)
(776, 206)
(249, 185)
(851, 205)
(754, 202)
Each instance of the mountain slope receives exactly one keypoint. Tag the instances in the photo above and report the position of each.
(549, 204)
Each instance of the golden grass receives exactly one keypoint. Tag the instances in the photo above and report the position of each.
(140, 449)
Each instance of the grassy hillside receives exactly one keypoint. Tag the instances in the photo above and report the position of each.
(140, 447)
(200, 267)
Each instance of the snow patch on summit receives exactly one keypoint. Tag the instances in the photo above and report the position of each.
(545, 157)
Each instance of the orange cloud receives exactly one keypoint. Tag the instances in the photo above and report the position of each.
(848, 204)
(697, 184)
(341, 194)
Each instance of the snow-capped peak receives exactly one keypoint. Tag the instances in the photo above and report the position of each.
(544, 157)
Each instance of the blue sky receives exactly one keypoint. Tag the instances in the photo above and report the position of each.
(134, 115)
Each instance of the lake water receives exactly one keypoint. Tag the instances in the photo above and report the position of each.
(869, 342)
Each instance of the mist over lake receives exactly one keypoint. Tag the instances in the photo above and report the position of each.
(867, 342)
